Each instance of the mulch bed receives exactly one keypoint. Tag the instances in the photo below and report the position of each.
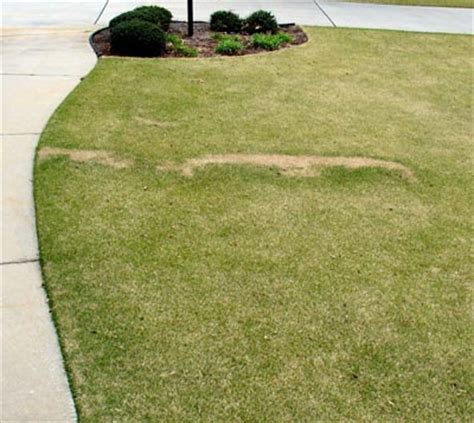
(202, 40)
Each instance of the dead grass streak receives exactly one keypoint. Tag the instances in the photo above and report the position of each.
(306, 166)
(103, 157)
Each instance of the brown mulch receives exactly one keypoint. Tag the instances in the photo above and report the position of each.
(202, 40)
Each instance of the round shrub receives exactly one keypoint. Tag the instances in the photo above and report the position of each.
(154, 14)
(137, 38)
(161, 15)
(127, 16)
(225, 21)
(261, 21)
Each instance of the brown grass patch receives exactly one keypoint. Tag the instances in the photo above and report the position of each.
(306, 166)
(99, 156)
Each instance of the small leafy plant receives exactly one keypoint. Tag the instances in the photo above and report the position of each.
(179, 47)
(225, 21)
(229, 46)
(261, 21)
(173, 39)
(270, 41)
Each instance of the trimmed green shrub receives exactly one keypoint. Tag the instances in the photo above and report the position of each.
(180, 48)
(229, 46)
(137, 38)
(154, 14)
(270, 41)
(261, 21)
(161, 15)
(225, 21)
(126, 16)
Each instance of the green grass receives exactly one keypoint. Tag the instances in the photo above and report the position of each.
(435, 3)
(240, 294)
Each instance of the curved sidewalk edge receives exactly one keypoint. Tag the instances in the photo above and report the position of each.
(40, 68)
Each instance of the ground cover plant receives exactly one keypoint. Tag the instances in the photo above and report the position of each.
(232, 240)
(179, 47)
(434, 3)
(229, 45)
(270, 41)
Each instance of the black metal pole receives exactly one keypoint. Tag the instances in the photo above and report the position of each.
(190, 18)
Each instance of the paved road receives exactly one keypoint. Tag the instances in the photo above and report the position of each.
(405, 18)
(45, 53)
(308, 12)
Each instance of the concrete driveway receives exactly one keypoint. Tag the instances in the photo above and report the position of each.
(41, 64)
(45, 54)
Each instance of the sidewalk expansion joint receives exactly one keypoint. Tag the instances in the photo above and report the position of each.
(324, 13)
(24, 261)
(51, 75)
(101, 12)
(18, 134)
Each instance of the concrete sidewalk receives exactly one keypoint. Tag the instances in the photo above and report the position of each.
(40, 67)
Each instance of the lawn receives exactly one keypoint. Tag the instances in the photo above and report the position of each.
(435, 3)
(243, 292)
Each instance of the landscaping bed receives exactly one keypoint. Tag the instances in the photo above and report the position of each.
(203, 40)
(148, 31)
